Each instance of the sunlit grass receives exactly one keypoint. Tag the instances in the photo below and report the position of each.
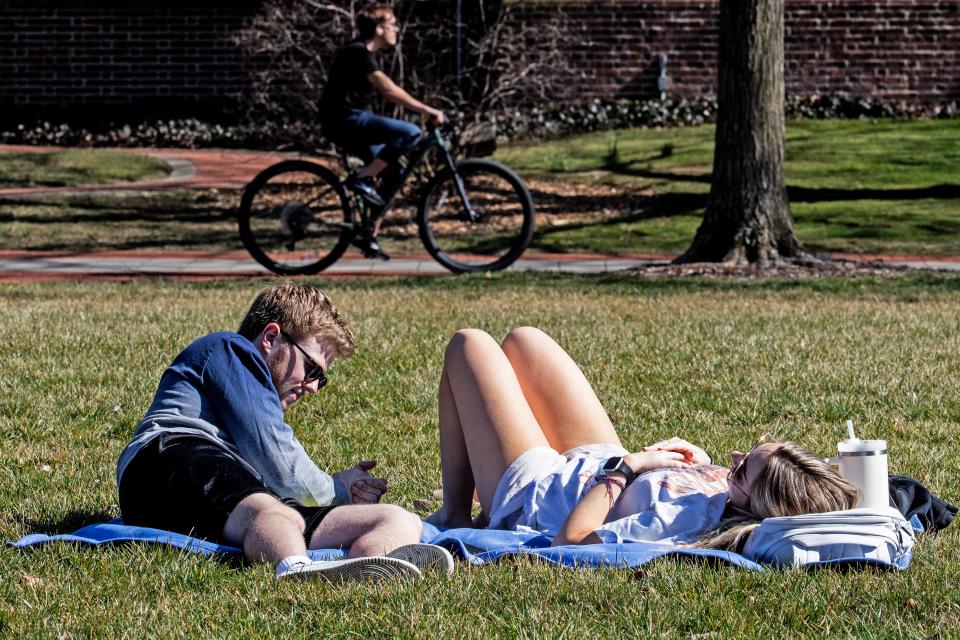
(878, 186)
(716, 362)
(77, 167)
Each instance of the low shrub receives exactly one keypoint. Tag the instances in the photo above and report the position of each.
(599, 115)
(185, 133)
(518, 123)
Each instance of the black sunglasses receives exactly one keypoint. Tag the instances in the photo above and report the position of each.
(313, 370)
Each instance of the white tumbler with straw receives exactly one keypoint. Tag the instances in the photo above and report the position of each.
(864, 463)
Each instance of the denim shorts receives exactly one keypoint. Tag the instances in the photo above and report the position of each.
(190, 485)
(529, 468)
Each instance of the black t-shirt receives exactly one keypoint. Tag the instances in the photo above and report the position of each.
(347, 85)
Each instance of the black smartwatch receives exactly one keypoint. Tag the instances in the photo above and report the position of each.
(618, 465)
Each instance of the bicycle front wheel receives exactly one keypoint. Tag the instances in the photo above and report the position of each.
(295, 218)
(497, 233)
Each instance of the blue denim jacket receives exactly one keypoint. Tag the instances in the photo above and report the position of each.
(219, 388)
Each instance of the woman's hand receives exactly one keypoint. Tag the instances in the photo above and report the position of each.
(691, 453)
(643, 461)
(591, 512)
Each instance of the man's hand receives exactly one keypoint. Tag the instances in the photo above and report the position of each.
(692, 454)
(363, 487)
(368, 490)
(434, 115)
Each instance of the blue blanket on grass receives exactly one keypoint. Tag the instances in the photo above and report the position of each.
(477, 546)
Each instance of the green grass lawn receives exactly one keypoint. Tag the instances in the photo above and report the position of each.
(855, 185)
(716, 362)
(77, 167)
(174, 220)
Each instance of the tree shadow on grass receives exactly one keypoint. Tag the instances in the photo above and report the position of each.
(933, 192)
(207, 240)
(548, 202)
(121, 211)
(635, 208)
(794, 193)
(629, 169)
(169, 223)
(168, 216)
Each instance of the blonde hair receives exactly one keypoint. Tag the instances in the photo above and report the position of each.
(301, 310)
(793, 482)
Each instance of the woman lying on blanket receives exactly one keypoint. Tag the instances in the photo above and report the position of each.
(507, 411)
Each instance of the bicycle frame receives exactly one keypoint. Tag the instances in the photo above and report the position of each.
(286, 198)
(370, 214)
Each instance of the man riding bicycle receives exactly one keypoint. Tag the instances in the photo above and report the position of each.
(346, 120)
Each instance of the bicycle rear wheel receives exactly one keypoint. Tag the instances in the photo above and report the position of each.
(498, 236)
(295, 218)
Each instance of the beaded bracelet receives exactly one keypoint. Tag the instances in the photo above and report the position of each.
(608, 481)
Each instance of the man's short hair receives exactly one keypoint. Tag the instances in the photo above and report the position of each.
(370, 17)
(301, 310)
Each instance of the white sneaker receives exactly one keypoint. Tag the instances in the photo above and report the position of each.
(425, 556)
(373, 568)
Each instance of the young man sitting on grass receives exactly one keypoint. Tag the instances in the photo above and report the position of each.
(214, 458)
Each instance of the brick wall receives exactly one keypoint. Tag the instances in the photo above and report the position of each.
(86, 59)
(895, 49)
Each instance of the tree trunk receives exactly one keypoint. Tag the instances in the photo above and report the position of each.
(747, 219)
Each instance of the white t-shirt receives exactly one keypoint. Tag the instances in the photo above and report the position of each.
(671, 506)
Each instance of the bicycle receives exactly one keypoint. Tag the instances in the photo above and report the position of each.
(296, 217)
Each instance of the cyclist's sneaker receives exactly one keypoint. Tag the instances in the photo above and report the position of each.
(370, 247)
(363, 187)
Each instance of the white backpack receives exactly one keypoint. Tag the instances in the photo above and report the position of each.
(876, 535)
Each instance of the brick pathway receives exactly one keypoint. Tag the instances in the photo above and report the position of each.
(192, 169)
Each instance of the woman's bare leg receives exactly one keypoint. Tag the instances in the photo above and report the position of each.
(455, 469)
(485, 424)
(563, 402)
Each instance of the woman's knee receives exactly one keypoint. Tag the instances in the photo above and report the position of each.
(524, 339)
(465, 340)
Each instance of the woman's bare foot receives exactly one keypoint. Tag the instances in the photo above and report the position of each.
(440, 518)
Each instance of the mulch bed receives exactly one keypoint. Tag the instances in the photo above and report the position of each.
(824, 269)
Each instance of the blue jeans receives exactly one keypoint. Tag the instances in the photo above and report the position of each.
(370, 136)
